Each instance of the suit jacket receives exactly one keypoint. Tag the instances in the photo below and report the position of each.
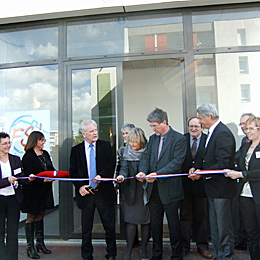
(218, 155)
(252, 175)
(17, 171)
(105, 163)
(195, 188)
(170, 161)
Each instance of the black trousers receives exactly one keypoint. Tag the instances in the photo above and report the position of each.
(107, 215)
(157, 209)
(9, 214)
(251, 215)
(193, 214)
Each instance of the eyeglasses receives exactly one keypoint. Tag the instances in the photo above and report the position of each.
(154, 126)
(194, 126)
(251, 128)
(241, 124)
(6, 143)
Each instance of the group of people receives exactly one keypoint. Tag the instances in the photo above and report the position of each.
(147, 192)
(29, 194)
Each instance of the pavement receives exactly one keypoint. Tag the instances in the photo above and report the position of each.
(70, 250)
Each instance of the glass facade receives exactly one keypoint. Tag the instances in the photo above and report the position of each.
(117, 68)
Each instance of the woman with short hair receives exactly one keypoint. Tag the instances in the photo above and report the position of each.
(136, 208)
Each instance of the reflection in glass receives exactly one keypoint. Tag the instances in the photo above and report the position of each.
(29, 101)
(28, 44)
(219, 81)
(226, 28)
(125, 35)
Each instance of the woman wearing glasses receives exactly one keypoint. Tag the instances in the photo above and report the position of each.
(10, 199)
(38, 196)
(249, 184)
(134, 192)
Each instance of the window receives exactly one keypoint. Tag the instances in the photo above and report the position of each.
(245, 92)
(243, 65)
(241, 37)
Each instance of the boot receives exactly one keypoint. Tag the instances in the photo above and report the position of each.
(29, 231)
(40, 246)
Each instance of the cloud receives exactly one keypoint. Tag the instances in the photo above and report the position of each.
(48, 51)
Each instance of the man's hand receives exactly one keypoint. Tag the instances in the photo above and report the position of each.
(194, 176)
(96, 179)
(83, 191)
(140, 176)
(151, 180)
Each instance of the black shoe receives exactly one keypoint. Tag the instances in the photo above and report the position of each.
(240, 246)
(112, 258)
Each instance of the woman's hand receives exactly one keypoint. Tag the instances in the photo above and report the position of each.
(233, 174)
(31, 177)
(120, 178)
(48, 180)
(12, 179)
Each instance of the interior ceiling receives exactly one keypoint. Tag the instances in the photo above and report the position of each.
(154, 63)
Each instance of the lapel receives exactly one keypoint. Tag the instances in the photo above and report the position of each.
(212, 137)
(82, 156)
(166, 143)
(98, 149)
(253, 157)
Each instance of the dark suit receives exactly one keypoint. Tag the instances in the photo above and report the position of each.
(219, 154)
(165, 193)
(103, 199)
(10, 211)
(250, 207)
(193, 208)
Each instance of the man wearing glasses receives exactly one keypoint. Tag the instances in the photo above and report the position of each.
(193, 208)
(165, 154)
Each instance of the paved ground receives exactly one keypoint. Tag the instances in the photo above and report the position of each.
(70, 250)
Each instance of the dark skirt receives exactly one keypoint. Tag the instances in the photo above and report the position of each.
(137, 213)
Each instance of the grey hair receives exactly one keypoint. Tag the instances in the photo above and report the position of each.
(208, 110)
(248, 114)
(127, 126)
(85, 123)
(158, 116)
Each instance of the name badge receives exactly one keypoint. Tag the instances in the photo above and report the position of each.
(257, 154)
(17, 171)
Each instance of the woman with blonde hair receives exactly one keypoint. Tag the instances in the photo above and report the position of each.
(136, 208)
(248, 189)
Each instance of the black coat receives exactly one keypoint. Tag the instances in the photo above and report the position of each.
(195, 188)
(218, 155)
(17, 171)
(105, 163)
(38, 195)
(252, 175)
(128, 187)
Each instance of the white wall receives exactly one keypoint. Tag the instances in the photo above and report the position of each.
(145, 89)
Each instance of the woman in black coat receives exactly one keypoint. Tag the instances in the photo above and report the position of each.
(249, 184)
(10, 199)
(134, 192)
(38, 196)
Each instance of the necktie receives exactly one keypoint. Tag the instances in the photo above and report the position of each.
(160, 147)
(194, 147)
(92, 168)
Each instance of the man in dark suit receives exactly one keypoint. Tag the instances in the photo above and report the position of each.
(165, 154)
(218, 155)
(94, 194)
(193, 208)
